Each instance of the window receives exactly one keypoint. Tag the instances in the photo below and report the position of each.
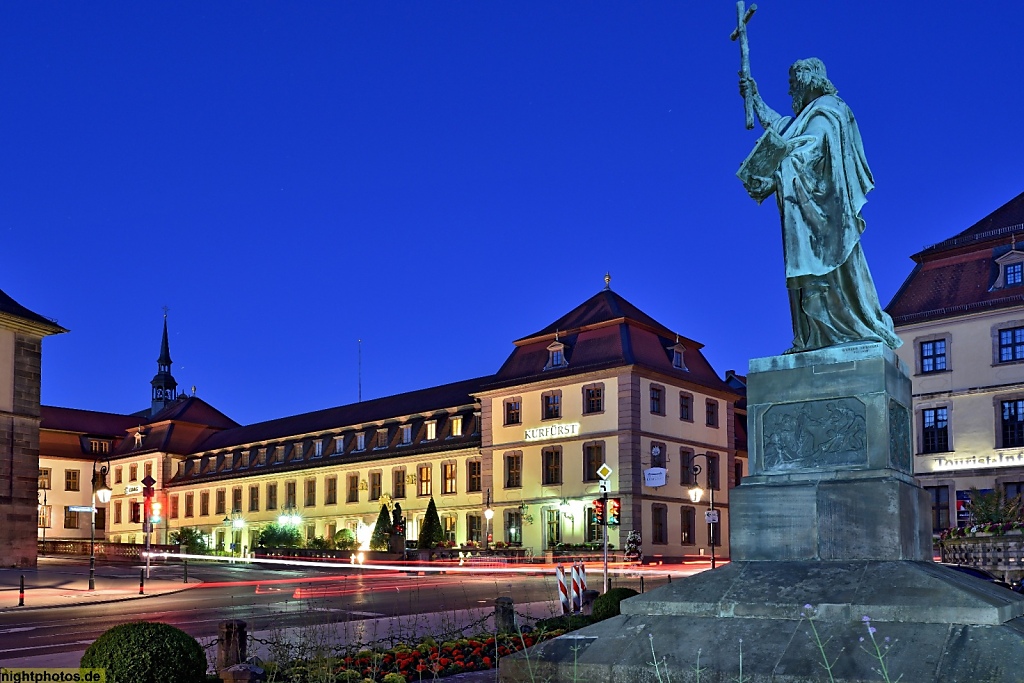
(222, 502)
(448, 477)
(551, 405)
(593, 399)
(331, 491)
(254, 498)
(297, 451)
(406, 435)
(1013, 489)
(71, 481)
(450, 524)
(657, 454)
(133, 472)
(310, 493)
(99, 446)
(940, 507)
(44, 478)
(424, 480)
(554, 526)
(457, 425)
(118, 472)
(474, 475)
(382, 438)
(43, 519)
(688, 526)
(352, 490)
(659, 524)
(513, 526)
(1011, 344)
(556, 356)
(289, 494)
(360, 441)
(685, 406)
(339, 444)
(514, 470)
(70, 518)
(935, 435)
(1013, 274)
(117, 512)
(1013, 423)
(686, 475)
(236, 499)
(190, 507)
(398, 483)
(657, 399)
(551, 459)
(677, 358)
(712, 413)
(474, 528)
(933, 356)
(593, 458)
(375, 486)
(271, 496)
(173, 512)
(513, 411)
(318, 448)
(136, 513)
(431, 430)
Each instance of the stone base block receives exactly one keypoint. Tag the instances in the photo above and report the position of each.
(856, 518)
(941, 625)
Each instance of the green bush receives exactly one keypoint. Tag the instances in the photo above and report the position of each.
(193, 539)
(565, 622)
(607, 605)
(381, 530)
(147, 652)
(345, 539)
(394, 678)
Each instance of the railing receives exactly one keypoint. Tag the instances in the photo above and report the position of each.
(107, 551)
(1002, 554)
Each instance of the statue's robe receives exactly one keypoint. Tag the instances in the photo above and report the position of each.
(821, 186)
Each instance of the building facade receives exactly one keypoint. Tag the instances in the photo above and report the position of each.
(960, 314)
(603, 385)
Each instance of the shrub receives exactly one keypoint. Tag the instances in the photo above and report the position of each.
(431, 533)
(320, 543)
(147, 652)
(280, 536)
(345, 539)
(193, 539)
(607, 605)
(394, 678)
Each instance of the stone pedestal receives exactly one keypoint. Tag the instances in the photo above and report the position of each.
(829, 526)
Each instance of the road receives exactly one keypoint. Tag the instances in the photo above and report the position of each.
(269, 600)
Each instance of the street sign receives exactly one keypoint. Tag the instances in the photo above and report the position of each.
(604, 471)
(148, 481)
(655, 476)
(81, 508)
(711, 516)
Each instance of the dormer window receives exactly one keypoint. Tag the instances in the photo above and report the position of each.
(556, 356)
(361, 441)
(1011, 269)
(382, 437)
(431, 426)
(406, 435)
(456, 426)
(675, 352)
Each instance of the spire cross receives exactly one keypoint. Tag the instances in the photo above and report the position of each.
(165, 311)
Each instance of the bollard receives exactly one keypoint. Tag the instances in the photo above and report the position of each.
(231, 644)
(21, 592)
(670, 578)
(641, 583)
(504, 615)
(186, 571)
(142, 582)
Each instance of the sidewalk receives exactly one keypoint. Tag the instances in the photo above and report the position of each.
(61, 585)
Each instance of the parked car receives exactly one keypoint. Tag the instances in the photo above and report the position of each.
(984, 575)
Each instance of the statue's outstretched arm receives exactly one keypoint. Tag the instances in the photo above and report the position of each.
(765, 114)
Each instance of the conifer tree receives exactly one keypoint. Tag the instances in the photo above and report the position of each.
(381, 530)
(431, 533)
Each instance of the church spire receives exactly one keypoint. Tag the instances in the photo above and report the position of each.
(165, 389)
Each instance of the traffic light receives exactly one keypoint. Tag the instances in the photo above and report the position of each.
(598, 508)
(147, 491)
(156, 509)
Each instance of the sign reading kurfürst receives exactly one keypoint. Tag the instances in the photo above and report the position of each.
(554, 431)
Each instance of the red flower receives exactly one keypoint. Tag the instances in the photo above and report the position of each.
(487, 662)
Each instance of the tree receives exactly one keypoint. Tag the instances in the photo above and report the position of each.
(278, 536)
(431, 532)
(193, 539)
(381, 530)
(345, 539)
(993, 507)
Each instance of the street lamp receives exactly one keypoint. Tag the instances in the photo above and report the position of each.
(43, 515)
(488, 515)
(101, 492)
(696, 493)
(233, 525)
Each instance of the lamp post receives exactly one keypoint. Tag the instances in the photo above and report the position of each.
(488, 515)
(696, 493)
(43, 512)
(102, 492)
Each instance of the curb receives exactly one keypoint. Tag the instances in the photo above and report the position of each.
(27, 608)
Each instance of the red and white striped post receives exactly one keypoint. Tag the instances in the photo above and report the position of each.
(563, 591)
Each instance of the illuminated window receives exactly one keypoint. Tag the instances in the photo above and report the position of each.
(1011, 344)
(398, 482)
(431, 426)
(935, 432)
(457, 425)
(448, 477)
(933, 356)
(44, 478)
(424, 480)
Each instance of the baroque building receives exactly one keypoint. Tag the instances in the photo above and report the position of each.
(960, 314)
(604, 384)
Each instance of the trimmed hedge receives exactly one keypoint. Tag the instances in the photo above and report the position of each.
(147, 652)
(607, 605)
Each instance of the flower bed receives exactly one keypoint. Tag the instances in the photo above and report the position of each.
(407, 663)
(994, 528)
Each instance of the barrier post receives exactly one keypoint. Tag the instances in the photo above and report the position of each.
(563, 591)
(21, 592)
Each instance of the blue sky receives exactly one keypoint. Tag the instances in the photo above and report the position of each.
(439, 179)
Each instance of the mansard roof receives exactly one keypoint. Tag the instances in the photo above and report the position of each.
(422, 401)
(91, 422)
(17, 314)
(956, 276)
(606, 331)
(195, 410)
